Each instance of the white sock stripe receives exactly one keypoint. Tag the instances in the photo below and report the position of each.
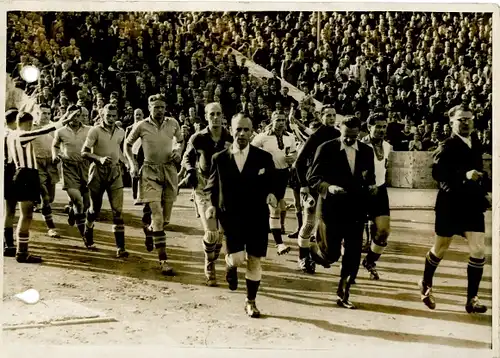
(377, 249)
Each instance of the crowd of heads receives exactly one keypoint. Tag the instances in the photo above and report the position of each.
(407, 66)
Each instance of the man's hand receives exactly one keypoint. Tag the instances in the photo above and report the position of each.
(474, 175)
(335, 189)
(105, 160)
(192, 179)
(272, 201)
(210, 212)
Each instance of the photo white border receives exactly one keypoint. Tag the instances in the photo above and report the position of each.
(389, 349)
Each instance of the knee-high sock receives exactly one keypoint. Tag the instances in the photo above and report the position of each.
(119, 232)
(47, 215)
(377, 248)
(8, 236)
(274, 223)
(210, 240)
(431, 264)
(474, 276)
(80, 223)
(22, 242)
(252, 288)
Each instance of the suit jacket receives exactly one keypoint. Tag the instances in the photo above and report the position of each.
(331, 167)
(240, 198)
(452, 160)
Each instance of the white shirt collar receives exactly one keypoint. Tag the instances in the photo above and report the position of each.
(235, 149)
(466, 140)
(354, 146)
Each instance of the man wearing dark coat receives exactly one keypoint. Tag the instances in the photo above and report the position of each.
(241, 186)
(460, 205)
(343, 174)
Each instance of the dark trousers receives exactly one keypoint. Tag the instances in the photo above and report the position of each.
(330, 238)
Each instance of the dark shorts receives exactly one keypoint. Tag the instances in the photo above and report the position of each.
(456, 216)
(9, 192)
(449, 223)
(282, 176)
(379, 204)
(26, 185)
(75, 174)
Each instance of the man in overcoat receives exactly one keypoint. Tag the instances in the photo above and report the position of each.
(343, 174)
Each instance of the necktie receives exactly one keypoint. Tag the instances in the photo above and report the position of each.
(279, 138)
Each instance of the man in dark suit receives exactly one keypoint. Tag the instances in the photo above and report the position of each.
(241, 186)
(343, 174)
(307, 218)
(460, 205)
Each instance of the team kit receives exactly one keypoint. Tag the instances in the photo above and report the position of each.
(239, 178)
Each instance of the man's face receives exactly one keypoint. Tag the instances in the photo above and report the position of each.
(329, 117)
(84, 116)
(138, 116)
(44, 116)
(379, 129)
(110, 116)
(214, 115)
(279, 122)
(157, 110)
(241, 129)
(348, 135)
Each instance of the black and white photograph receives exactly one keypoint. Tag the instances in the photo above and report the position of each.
(256, 179)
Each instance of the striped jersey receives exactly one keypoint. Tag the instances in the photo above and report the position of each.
(19, 147)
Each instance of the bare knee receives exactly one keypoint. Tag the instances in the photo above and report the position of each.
(441, 245)
(235, 259)
(254, 268)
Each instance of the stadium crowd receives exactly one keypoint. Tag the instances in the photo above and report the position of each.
(412, 66)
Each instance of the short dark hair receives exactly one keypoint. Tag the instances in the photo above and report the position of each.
(45, 105)
(24, 117)
(374, 117)
(328, 106)
(74, 107)
(110, 107)
(11, 115)
(351, 122)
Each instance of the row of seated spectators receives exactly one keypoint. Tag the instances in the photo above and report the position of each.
(95, 58)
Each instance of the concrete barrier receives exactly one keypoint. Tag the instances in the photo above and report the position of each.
(413, 170)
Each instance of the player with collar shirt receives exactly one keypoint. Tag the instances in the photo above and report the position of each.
(158, 179)
(47, 170)
(67, 149)
(379, 211)
(103, 148)
(281, 145)
(197, 160)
